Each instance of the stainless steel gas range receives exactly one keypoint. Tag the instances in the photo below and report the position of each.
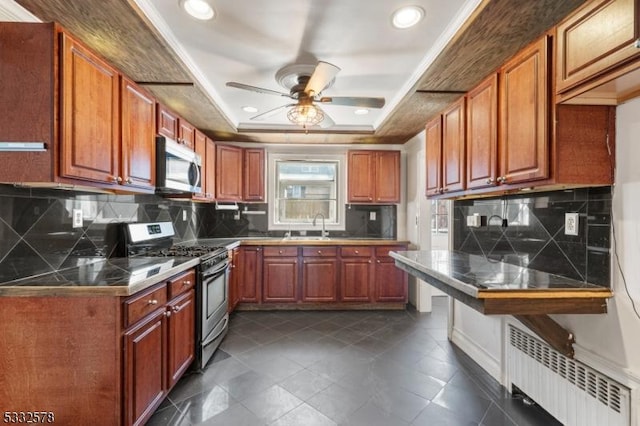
(212, 286)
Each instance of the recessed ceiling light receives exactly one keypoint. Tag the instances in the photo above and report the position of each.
(361, 111)
(199, 9)
(249, 109)
(407, 16)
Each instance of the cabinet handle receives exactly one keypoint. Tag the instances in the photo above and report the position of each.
(369, 261)
(186, 283)
(377, 261)
(152, 302)
(167, 314)
(502, 179)
(445, 189)
(319, 251)
(129, 181)
(279, 251)
(357, 252)
(370, 199)
(114, 179)
(176, 309)
(489, 181)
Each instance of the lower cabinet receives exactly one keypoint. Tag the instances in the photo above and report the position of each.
(159, 344)
(390, 282)
(280, 275)
(249, 275)
(356, 273)
(319, 274)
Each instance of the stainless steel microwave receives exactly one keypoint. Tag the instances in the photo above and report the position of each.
(178, 169)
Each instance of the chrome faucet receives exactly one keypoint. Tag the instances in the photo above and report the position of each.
(324, 233)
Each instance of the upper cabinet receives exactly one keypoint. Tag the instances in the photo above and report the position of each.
(599, 36)
(239, 174)
(138, 112)
(373, 177)
(173, 127)
(445, 151)
(89, 130)
(524, 109)
(516, 137)
(206, 148)
(482, 134)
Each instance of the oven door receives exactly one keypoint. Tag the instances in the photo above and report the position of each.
(215, 291)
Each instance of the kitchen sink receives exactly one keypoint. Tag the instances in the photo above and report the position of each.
(306, 238)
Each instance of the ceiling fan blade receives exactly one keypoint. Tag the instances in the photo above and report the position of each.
(354, 101)
(270, 113)
(321, 77)
(256, 89)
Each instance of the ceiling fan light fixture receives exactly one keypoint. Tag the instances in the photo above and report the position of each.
(407, 17)
(198, 9)
(305, 115)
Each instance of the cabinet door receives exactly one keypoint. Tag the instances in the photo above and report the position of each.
(355, 280)
(319, 279)
(453, 147)
(138, 136)
(181, 336)
(253, 174)
(186, 134)
(434, 156)
(250, 276)
(234, 281)
(210, 173)
(387, 181)
(201, 150)
(361, 176)
(144, 368)
(280, 279)
(228, 173)
(390, 281)
(90, 128)
(594, 39)
(167, 123)
(524, 109)
(482, 134)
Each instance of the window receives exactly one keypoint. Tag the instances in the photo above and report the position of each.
(303, 188)
(440, 216)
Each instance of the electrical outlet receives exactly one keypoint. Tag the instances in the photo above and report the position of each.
(372, 215)
(184, 215)
(571, 223)
(474, 221)
(77, 218)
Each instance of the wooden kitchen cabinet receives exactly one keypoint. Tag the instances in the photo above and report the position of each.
(390, 282)
(482, 134)
(319, 274)
(229, 173)
(524, 115)
(206, 148)
(433, 156)
(356, 274)
(249, 274)
(186, 134)
(373, 177)
(181, 336)
(596, 38)
(138, 153)
(253, 168)
(279, 278)
(445, 151)
(90, 115)
(167, 122)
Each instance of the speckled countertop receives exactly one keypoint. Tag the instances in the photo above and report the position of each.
(109, 277)
(477, 276)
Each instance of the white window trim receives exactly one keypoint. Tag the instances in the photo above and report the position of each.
(341, 189)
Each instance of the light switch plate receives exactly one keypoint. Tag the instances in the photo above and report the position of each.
(474, 221)
(372, 215)
(571, 223)
(77, 218)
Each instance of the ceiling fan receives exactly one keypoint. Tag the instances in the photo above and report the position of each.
(306, 89)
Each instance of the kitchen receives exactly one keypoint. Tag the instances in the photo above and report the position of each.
(604, 342)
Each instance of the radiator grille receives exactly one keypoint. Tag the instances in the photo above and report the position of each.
(553, 380)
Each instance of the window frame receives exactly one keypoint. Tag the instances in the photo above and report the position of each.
(272, 184)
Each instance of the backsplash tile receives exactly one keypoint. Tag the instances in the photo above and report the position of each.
(535, 235)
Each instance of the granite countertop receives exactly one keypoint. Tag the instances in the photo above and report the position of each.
(108, 277)
(478, 277)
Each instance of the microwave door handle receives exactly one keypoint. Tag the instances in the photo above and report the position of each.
(196, 172)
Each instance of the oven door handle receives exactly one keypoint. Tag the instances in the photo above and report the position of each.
(209, 341)
(217, 269)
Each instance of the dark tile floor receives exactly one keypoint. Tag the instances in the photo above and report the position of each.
(386, 368)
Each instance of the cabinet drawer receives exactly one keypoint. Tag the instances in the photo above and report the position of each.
(181, 283)
(384, 250)
(319, 251)
(280, 251)
(137, 306)
(356, 251)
